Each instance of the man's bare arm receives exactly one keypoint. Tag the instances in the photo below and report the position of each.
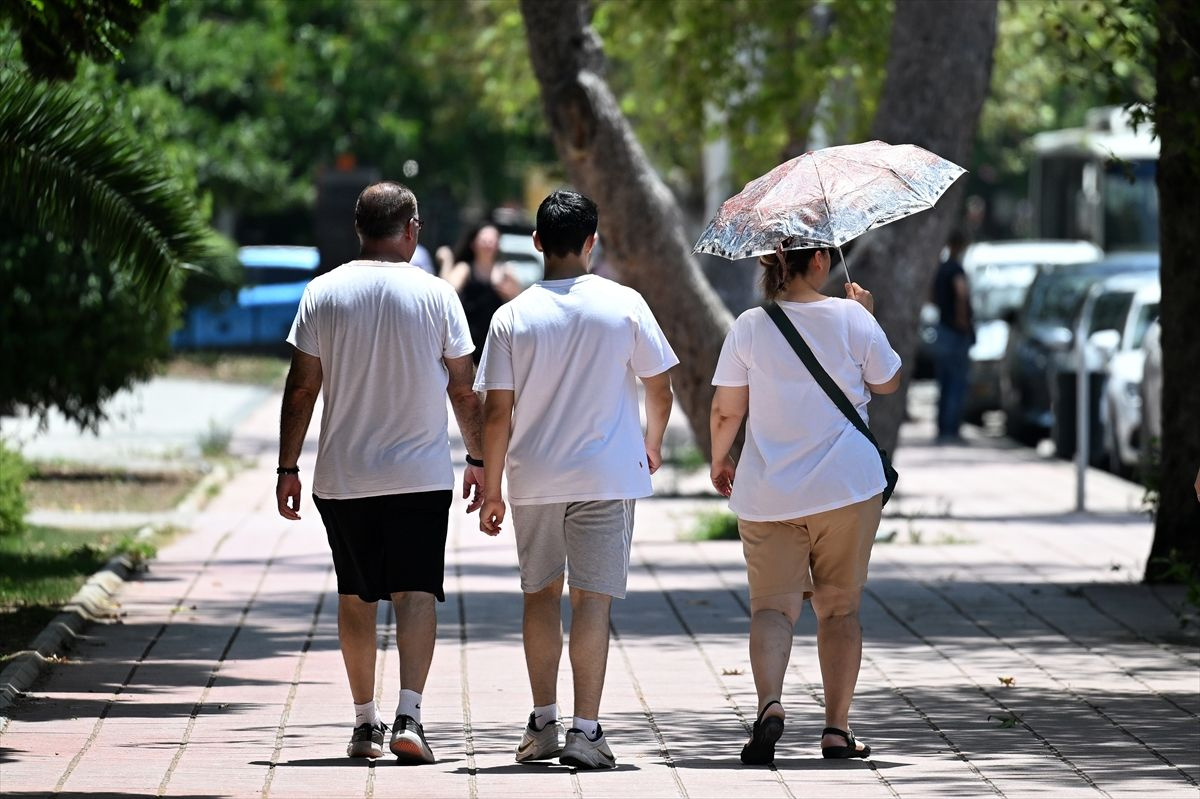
(659, 400)
(299, 398)
(469, 414)
(468, 411)
(497, 411)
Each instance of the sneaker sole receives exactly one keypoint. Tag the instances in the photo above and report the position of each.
(580, 763)
(364, 750)
(526, 758)
(411, 753)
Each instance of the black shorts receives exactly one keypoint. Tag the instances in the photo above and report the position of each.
(386, 544)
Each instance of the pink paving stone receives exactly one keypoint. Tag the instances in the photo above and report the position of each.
(691, 686)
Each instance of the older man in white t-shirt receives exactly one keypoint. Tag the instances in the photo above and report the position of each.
(560, 369)
(385, 342)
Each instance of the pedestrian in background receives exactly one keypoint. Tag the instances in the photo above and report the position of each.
(482, 282)
(561, 416)
(955, 335)
(384, 342)
(807, 490)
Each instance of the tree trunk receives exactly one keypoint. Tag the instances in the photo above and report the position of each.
(641, 226)
(938, 71)
(1177, 121)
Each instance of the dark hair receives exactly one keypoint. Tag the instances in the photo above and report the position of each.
(775, 276)
(565, 220)
(383, 209)
(957, 240)
(464, 251)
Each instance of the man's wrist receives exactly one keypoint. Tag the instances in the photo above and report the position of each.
(474, 461)
(282, 470)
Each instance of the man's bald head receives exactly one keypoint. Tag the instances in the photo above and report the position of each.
(383, 210)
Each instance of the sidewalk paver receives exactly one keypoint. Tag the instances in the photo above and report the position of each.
(1009, 651)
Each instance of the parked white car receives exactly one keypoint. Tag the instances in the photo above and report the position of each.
(1152, 389)
(518, 252)
(999, 274)
(1119, 347)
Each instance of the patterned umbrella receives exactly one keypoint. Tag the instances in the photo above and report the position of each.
(828, 197)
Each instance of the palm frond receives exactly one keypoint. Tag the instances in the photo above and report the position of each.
(65, 169)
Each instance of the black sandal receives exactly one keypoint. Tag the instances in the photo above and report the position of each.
(843, 752)
(760, 749)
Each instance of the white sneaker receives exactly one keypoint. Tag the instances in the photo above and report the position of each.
(543, 744)
(408, 742)
(584, 753)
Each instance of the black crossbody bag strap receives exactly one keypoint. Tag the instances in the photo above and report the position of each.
(823, 379)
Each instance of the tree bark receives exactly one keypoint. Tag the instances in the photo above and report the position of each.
(1177, 121)
(641, 226)
(938, 71)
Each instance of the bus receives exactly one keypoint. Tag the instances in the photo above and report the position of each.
(1097, 183)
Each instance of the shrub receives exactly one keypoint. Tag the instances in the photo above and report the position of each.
(74, 330)
(13, 473)
(715, 526)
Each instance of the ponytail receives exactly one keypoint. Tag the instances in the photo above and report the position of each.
(776, 274)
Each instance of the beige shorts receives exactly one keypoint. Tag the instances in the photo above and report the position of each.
(830, 548)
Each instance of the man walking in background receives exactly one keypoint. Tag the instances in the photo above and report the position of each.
(559, 370)
(955, 335)
(385, 342)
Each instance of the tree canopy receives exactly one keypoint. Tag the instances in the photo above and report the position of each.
(56, 34)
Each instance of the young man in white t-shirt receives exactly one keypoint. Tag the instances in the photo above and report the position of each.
(384, 342)
(561, 414)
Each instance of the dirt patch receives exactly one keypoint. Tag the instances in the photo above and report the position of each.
(19, 626)
(259, 370)
(80, 488)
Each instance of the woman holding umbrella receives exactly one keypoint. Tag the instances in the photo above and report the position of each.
(811, 482)
(808, 487)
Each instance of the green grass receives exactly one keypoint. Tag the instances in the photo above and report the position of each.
(215, 443)
(686, 459)
(41, 569)
(715, 526)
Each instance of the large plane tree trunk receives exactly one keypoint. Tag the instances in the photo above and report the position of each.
(938, 71)
(641, 226)
(1177, 524)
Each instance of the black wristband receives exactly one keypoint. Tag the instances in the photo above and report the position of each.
(474, 461)
(288, 470)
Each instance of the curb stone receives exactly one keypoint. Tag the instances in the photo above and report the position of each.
(94, 601)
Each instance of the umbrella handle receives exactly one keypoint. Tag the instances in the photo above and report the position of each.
(845, 268)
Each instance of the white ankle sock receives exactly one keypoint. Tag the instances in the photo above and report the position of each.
(590, 727)
(410, 705)
(544, 714)
(366, 713)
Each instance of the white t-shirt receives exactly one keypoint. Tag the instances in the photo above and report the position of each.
(381, 331)
(802, 455)
(570, 350)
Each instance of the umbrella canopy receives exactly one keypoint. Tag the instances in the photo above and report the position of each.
(827, 197)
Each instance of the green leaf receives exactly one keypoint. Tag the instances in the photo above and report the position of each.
(65, 170)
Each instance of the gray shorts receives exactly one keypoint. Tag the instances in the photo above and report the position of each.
(589, 540)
